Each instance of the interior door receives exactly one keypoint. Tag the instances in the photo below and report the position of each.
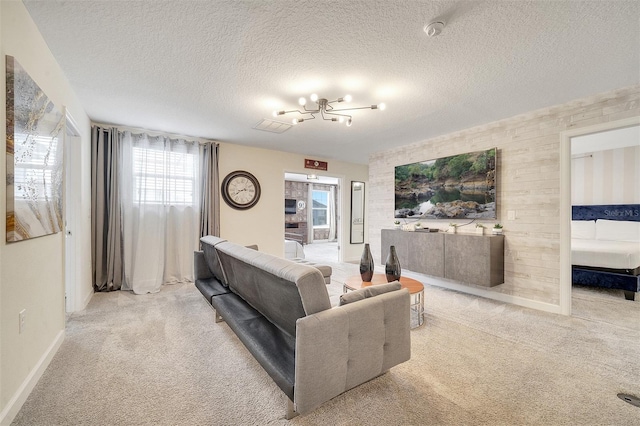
(71, 207)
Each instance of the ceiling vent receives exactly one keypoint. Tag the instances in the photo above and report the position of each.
(272, 126)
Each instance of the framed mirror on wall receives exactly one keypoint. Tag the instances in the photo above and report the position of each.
(357, 212)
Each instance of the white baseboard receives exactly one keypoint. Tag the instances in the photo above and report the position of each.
(18, 399)
(501, 297)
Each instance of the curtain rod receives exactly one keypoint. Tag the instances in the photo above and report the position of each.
(153, 132)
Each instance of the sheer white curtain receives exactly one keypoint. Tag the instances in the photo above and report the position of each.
(160, 181)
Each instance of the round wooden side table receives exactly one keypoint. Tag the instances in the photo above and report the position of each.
(415, 287)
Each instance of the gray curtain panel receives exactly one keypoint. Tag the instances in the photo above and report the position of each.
(106, 217)
(210, 187)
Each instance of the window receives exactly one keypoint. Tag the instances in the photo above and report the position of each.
(164, 177)
(320, 213)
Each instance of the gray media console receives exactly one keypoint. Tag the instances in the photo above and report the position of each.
(467, 258)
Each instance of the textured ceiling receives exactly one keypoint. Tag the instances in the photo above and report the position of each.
(214, 69)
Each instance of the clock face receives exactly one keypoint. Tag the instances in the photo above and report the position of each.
(240, 190)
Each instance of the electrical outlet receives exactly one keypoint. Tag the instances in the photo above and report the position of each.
(21, 320)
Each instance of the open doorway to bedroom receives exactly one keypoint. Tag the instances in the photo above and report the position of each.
(605, 234)
(311, 217)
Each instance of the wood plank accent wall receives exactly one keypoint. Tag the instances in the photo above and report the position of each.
(528, 183)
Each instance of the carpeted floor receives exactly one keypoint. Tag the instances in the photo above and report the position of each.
(161, 360)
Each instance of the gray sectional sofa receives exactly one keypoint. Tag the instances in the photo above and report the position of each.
(280, 311)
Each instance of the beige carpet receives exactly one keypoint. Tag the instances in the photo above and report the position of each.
(161, 360)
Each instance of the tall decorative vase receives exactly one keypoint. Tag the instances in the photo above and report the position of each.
(366, 264)
(392, 267)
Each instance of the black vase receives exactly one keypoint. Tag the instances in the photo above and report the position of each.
(366, 264)
(392, 267)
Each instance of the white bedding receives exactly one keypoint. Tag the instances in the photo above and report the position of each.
(605, 254)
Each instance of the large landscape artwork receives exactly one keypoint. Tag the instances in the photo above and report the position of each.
(34, 158)
(457, 187)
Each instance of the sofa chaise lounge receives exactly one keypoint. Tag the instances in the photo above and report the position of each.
(280, 311)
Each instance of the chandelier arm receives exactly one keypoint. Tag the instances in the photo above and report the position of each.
(323, 117)
(342, 115)
(293, 110)
(350, 109)
(310, 110)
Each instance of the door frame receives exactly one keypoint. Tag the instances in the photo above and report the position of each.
(565, 201)
(342, 240)
(72, 185)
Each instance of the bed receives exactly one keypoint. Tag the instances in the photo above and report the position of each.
(605, 247)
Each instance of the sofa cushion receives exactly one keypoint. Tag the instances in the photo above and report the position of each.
(371, 291)
(281, 290)
(208, 244)
(343, 347)
(210, 287)
(273, 348)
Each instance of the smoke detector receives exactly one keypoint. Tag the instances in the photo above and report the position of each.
(434, 28)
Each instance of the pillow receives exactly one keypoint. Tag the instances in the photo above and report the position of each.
(371, 291)
(617, 230)
(583, 229)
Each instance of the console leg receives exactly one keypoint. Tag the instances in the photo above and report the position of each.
(291, 412)
(629, 295)
(218, 317)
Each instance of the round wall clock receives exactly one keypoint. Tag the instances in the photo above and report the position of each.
(240, 190)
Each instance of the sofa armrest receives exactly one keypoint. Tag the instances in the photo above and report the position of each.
(200, 269)
(343, 347)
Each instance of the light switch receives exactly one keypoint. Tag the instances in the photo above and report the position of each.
(511, 215)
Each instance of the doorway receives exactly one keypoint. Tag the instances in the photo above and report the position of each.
(585, 141)
(72, 191)
(312, 217)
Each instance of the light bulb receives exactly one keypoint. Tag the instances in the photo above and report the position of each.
(341, 119)
(347, 98)
(382, 106)
(349, 123)
(314, 97)
(302, 101)
(275, 113)
(294, 121)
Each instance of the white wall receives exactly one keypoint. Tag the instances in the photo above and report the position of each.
(32, 275)
(264, 223)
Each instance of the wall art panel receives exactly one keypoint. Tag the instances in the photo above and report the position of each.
(34, 158)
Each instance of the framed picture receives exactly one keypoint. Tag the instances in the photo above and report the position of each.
(34, 158)
(457, 187)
